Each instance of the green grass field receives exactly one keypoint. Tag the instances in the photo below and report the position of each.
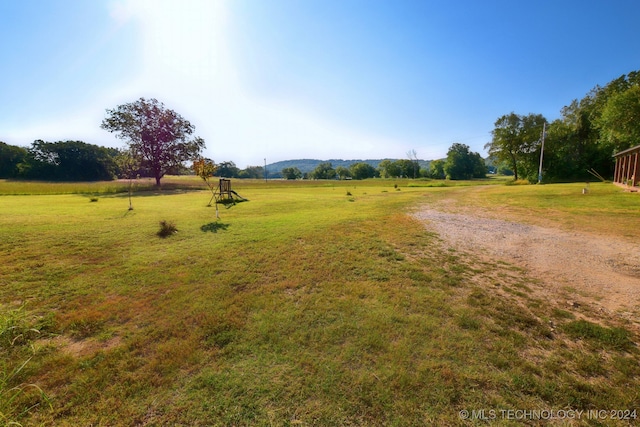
(314, 303)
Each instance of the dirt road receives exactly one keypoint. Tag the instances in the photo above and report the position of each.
(601, 271)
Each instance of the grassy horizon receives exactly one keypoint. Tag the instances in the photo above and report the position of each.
(314, 303)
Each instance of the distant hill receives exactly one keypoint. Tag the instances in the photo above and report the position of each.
(308, 165)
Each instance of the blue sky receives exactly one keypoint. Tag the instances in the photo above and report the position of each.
(286, 79)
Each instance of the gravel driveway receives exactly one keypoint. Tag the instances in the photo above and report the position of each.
(604, 270)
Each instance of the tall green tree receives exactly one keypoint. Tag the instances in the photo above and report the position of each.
(362, 170)
(10, 157)
(227, 170)
(516, 140)
(413, 158)
(252, 172)
(398, 168)
(291, 173)
(620, 119)
(158, 136)
(573, 143)
(343, 172)
(436, 169)
(588, 133)
(592, 129)
(461, 163)
(324, 170)
(389, 169)
(408, 167)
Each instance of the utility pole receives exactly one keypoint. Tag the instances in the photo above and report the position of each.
(413, 156)
(265, 169)
(544, 132)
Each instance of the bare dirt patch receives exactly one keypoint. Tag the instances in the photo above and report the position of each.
(82, 348)
(600, 271)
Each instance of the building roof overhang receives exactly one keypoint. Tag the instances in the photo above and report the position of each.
(627, 151)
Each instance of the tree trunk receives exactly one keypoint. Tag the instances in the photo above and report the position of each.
(130, 188)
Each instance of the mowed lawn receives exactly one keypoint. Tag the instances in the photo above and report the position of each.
(314, 303)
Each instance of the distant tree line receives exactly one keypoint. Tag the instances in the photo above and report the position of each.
(58, 161)
(460, 163)
(79, 161)
(586, 136)
(326, 170)
(228, 169)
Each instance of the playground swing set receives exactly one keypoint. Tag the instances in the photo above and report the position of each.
(224, 195)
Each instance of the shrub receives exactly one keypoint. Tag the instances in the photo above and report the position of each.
(167, 228)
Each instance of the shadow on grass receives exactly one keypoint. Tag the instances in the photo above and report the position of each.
(213, 227)
(165, 190)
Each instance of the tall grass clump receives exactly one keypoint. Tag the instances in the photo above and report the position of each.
(167, 228)
(17, 398)
(15, 327)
